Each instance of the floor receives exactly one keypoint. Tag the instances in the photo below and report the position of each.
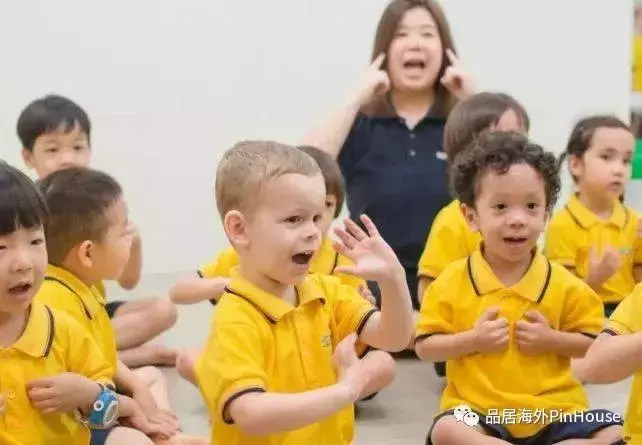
(399, 415)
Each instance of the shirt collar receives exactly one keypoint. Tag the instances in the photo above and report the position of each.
(37, 338)
(532, 286)
(273, 307)
(89, 297)
(585, 218)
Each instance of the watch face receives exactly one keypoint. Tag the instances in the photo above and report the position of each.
(111, 413)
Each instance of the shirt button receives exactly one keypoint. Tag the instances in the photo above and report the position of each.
(412, 153)
(412, 135)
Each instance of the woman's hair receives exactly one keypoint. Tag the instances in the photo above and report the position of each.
(476, 114)
(583, 132)
(386, 31)
(21, 205)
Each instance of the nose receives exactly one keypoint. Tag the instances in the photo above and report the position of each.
(312, 230)
(619, 168)
(516, 218)
(21, 261)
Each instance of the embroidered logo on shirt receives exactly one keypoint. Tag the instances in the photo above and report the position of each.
(326, 341)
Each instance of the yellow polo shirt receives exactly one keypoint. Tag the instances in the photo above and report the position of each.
(450, 239)
(574, 229)
(626, 320)
(510, 379)
(64, 291)
(325, 261)
(259, 342)
(52, 343)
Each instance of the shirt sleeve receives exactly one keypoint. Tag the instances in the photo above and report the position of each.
(443, 247)
(583, 311)
(233, 362)
(356, 145)
(221, 266)
(624, 320)
(560, 245)
(436, 313)
(84, 357)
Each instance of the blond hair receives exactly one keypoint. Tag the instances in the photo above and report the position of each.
(248, 165)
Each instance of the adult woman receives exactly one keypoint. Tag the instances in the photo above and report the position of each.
(387, 138)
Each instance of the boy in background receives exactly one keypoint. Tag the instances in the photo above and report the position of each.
(55, 134)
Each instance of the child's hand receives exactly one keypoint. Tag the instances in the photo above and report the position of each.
(375, 81)
(63, 393)
(455, 78)
(365, 293)
(143, 397)
(349, 367)
(138, 421)
(533, 334)
(373, 258)
(1, 404)
(602, 267)
(491, 333)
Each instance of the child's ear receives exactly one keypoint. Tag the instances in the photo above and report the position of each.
(471, 217)
(85, 253)
(27, 157)
(575, 165)
(235, 226)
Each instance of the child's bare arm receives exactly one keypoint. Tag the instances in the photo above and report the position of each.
(607, 350)
(193, 289)
(490, 333)
(130, 277)
(444, 347)
(265, 413)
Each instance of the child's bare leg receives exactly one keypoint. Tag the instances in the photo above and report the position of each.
(181, 439)
(185, 363)
(382, 368)
(148, 355)
(137, 322)
(448, 431)
(129, 436)
(157, 384)
(605, 436)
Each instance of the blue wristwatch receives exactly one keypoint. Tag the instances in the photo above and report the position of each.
(104, 412)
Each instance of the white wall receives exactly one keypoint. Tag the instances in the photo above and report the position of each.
(170, 85)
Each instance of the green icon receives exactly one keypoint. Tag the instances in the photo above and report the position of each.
(636, 170)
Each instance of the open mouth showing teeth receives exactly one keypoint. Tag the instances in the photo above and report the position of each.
(418, 64)
(514, 240)
(20, 288)
(303, 257)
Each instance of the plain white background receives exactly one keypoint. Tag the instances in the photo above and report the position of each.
(170, 85)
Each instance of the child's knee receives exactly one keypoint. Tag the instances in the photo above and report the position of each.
(130, 436)
(607, 436)
(385, 365)
(164, 313)
(150, 375)
(447, 431)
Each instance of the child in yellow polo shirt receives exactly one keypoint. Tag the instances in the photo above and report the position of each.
(279, 366)
(506, 319)
(209, 281)
(55, 133)
(616, 354)
(595, 235)
(88, 241)
(52, 370)
(450, 237)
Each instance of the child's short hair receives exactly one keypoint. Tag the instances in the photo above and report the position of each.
(476, 114)
(498, 152)
(21, 205)
(248, 165)
(78, 199)
(334, 181)
(583, 132)
(48, 114)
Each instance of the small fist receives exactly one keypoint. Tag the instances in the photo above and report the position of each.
(375, 81)
(533, 333)
(491, 332)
